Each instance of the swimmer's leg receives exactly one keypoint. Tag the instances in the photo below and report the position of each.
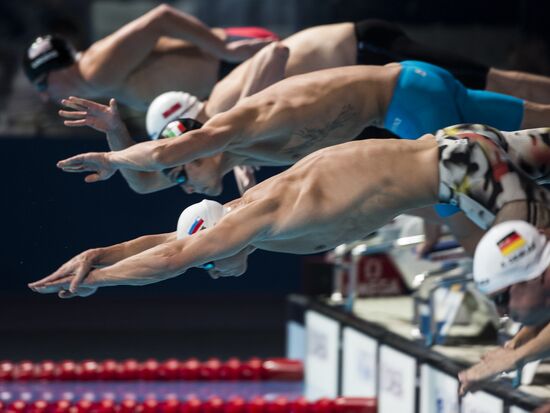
(535, 115)
(529, 150)
(381, 42)
(502, 111)
(523, 85)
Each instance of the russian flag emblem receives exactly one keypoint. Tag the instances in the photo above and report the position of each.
(197, 225)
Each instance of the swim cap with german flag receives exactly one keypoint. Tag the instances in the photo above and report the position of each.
(510, 253)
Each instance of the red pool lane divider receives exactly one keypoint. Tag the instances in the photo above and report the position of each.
(193, 405)
(151, 369)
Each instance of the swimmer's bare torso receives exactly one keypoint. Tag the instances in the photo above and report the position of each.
(308, 112)
(294, 117)
(340, 193)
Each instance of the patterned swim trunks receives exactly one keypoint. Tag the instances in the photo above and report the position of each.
(484, 177)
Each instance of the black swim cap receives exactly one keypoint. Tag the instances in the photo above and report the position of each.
(47, 53)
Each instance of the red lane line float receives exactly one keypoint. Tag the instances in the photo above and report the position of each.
(151, 369)
(193, 405)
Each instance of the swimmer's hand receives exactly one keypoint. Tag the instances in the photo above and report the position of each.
(67, 280)
(492, 363)
(96, 162)
(61, 289)
(88, 113)
(241, 50)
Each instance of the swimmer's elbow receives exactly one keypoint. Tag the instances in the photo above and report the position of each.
(161, 12)
(143, 182)
(159, 17)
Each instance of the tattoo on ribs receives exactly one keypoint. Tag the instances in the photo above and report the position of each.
(312, 136)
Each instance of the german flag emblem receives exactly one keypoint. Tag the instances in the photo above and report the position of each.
(510, 243)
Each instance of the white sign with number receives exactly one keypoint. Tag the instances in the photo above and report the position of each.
(481, 402)
(397, 384)
(438, 391)
(359, 364)
(321, 368)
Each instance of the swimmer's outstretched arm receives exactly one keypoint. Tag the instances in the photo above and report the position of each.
(106, 119)
(506, 359)
(214, 137)
(77, 268)
(110, 60)
(234, 233)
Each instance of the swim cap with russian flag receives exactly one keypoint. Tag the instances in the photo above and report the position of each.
(197, 217)
(510, 253)
(47, 53)
(168, 107)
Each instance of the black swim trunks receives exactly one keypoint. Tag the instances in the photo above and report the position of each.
(380, 42)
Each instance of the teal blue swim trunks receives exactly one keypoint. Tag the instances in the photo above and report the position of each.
(427, 98)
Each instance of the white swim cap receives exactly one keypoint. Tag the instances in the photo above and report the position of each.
(197, 217)
(510, 253)
(168, 107)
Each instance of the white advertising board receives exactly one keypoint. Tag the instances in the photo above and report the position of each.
(397, 382)
(321, 365)
(481, 402)
(359, 364)
(438, 391)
